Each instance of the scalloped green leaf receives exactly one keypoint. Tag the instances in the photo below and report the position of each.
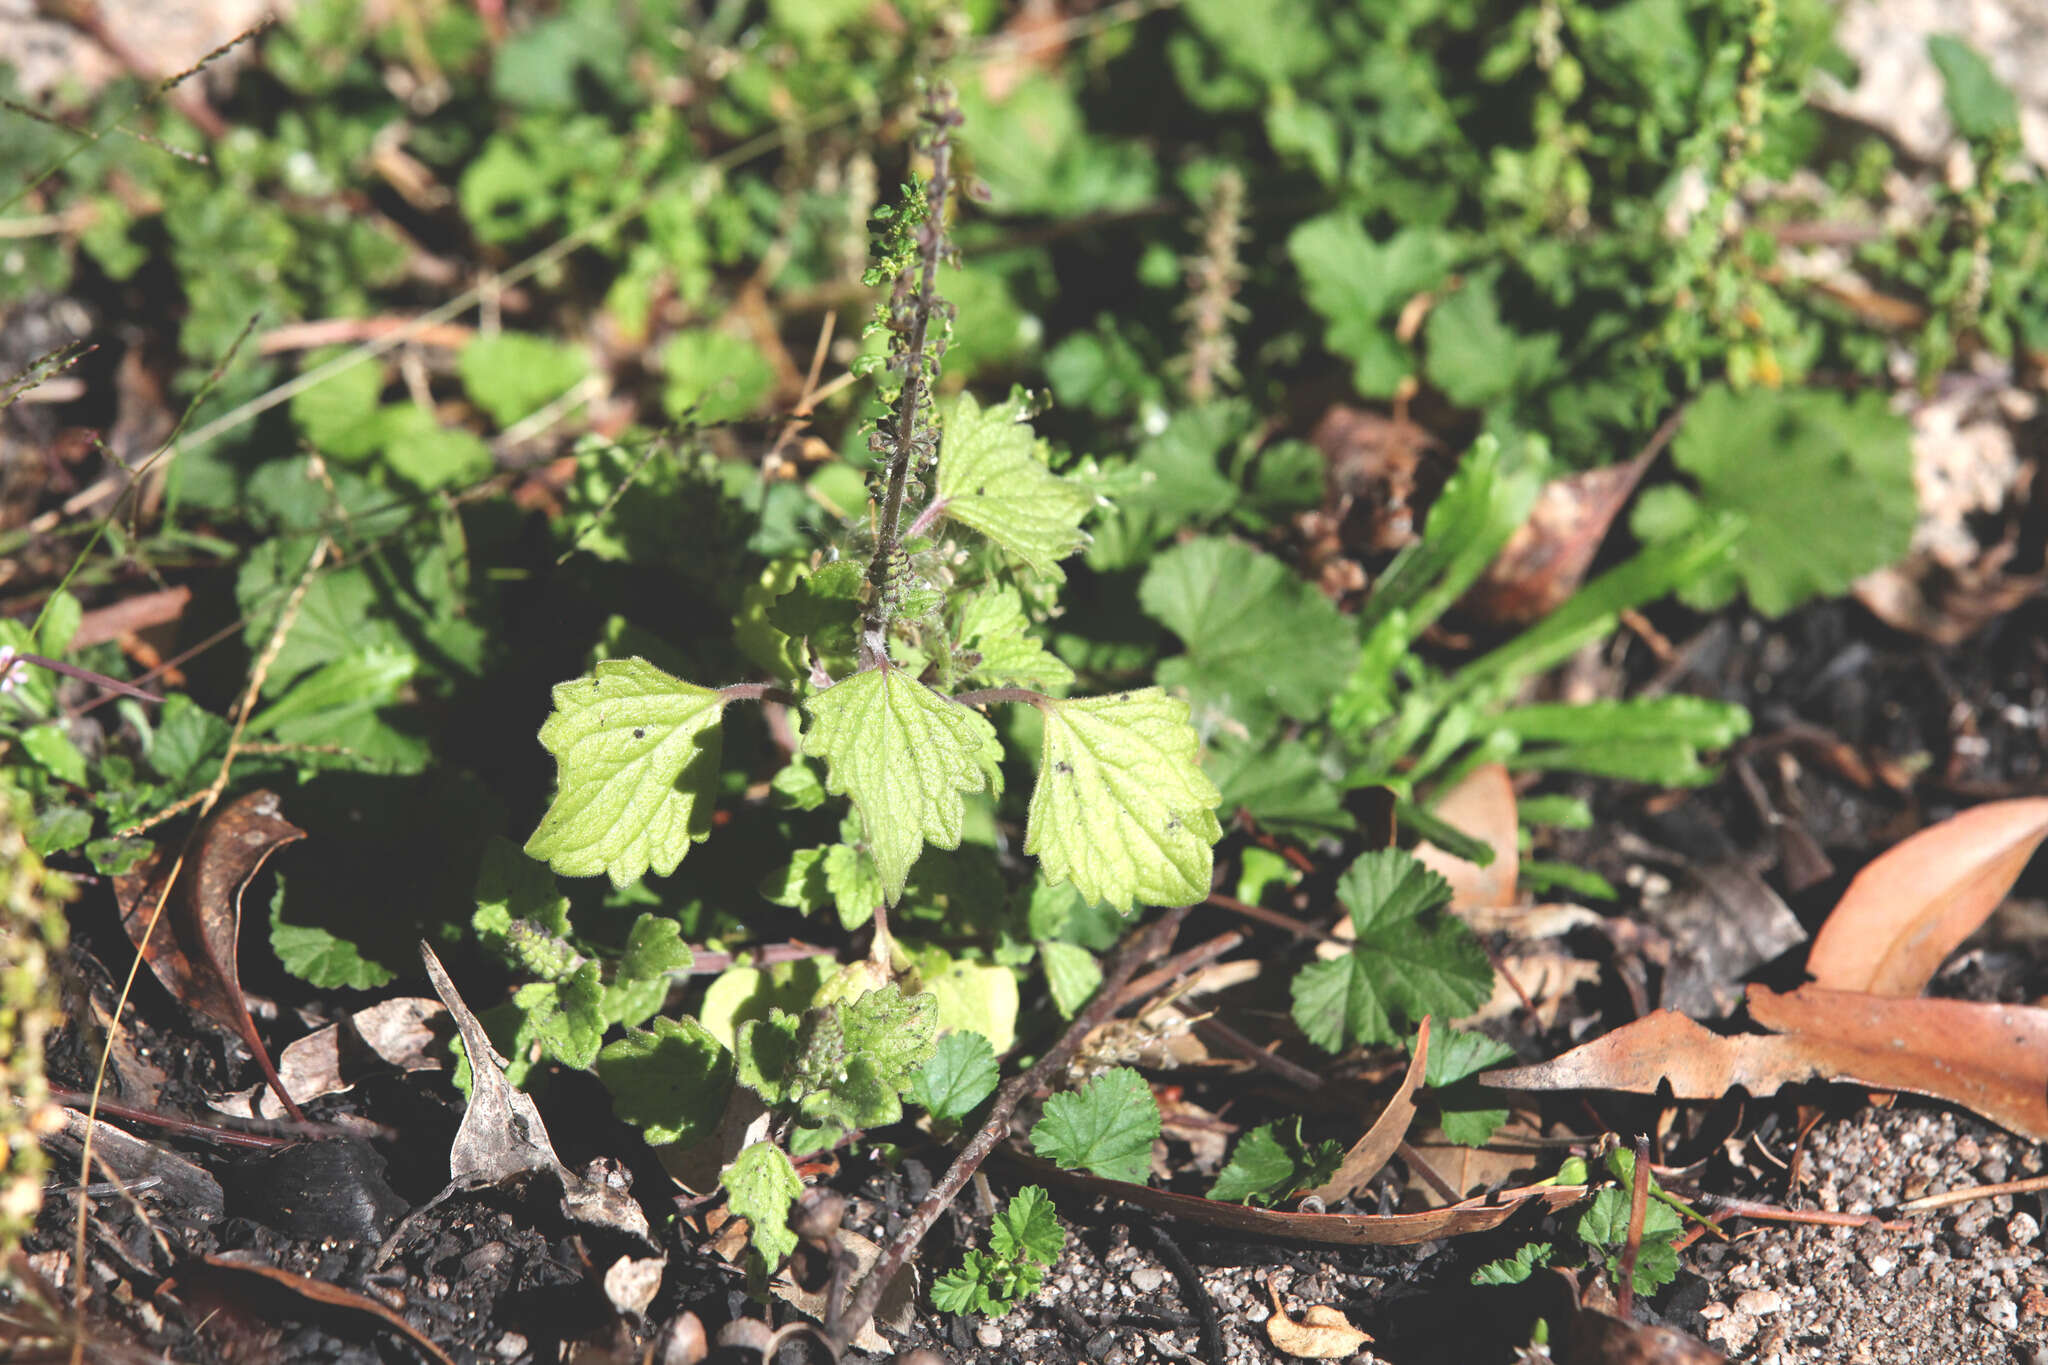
(760, 1186)
(637, 753)
(906, 756)
(1122, 808)
(992, 479)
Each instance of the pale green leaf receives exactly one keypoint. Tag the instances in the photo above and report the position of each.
(760, 1186)
(637, 752)
(511, 375)
(1122, 808)
(991, 479)
(670, 1081)
(655, 953)
(1261, 643)
(1072, 973)
(905, 755)
(994, 626)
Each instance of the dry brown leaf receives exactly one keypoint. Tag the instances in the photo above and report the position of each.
(1546, 558)
(408, 1033)
(899, 1302)
(1482, 805)
(1907, 911)
(193, 948)
(1322, 1334)
(1372, 1152)
(502, 1139)
(1321, 1229)
(1991, 1059)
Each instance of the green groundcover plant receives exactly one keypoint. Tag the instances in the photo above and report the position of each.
(991, 657)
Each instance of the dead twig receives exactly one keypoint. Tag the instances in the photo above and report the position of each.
(1950, 1198)
(1772, 1213)
(1638, 1209)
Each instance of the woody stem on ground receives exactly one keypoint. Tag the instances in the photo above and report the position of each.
(1144, 946)
(905, 436)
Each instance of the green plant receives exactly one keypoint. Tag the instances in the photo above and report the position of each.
(1602, 1231)
(1024, 1242)
(1120, 809)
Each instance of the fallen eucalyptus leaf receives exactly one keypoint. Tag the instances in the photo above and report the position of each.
(1481, 1214)
(192, 946)
(1483, 805)
(1372, 1152)
(1916, 902)
(1992, 1059)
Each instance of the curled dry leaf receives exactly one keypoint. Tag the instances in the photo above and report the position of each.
(502, 1138)
(1546, 559)
(1992, 1059)
(1372, 1152)
(1482, 805)
(192, 947)
(1321, 1229)
(1907, 911)
(1322, 1334)
(409, 1033)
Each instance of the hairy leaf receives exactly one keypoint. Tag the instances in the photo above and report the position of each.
(991, 479)
(905, 755)
(669, 1080)
(1122, 808)
(637, 752)
(760, 1186)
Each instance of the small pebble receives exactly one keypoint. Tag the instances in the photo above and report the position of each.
(2003, 1314)
(989, 1335)
(2021, 1229)
(1760, 1303)
(1880, 1263)
(1146, 1279)
(511, 1346)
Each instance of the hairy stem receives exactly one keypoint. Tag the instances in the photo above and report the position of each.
(906, 435)
(1145, 946)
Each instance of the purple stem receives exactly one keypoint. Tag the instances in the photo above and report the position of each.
(8, 659)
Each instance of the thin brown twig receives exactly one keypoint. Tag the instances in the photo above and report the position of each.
(843, 1325)
(1198, 956)
(1632, 1248)
(1275, 918)
(1964, 1196)
(1773, 1213)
